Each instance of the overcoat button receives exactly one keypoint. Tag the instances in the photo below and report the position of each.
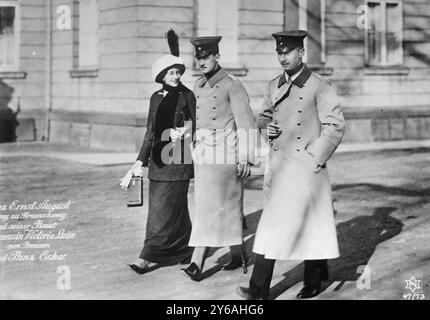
(275, 109)
(301, 98)
(276, 122)
(299, 111)
(298, 138)
(299, 124)
(297, 150)
(276, 149)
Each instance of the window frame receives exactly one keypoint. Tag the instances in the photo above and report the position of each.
(383, 24)
(17, 36)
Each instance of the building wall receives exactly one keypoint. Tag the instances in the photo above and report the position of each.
(117, 88)
(109, 111)
(29, 83)
(257, 21)
(397, 99)
(155, 18)
(346, 57)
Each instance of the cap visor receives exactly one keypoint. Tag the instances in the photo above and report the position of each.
(285, 50)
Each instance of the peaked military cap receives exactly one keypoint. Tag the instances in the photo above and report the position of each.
(205, 46)
(288, 40)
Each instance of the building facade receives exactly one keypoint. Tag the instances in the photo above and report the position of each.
(79, 72)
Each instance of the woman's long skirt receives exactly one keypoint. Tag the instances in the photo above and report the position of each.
(168, 227)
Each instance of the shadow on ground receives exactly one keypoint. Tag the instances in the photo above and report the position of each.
(250, 227)
(358, 239)
(371, 188)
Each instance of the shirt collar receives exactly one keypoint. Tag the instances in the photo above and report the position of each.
(299, 78)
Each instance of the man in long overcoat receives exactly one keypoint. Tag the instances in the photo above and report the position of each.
(223, 152)
(302, 119)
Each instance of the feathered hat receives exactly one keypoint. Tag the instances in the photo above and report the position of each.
(168, 61)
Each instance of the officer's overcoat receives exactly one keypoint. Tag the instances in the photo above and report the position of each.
(223, 114)
(297, 220)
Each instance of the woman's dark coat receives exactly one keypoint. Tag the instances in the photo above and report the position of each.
(181, 167)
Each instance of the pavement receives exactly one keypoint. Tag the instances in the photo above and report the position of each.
(382, 204)
(108, 157)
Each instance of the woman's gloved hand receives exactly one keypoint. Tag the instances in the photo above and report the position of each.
(136, 170)
(124, 182)
(177, 133)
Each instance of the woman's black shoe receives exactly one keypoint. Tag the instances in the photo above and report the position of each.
(193, 272)
(140, 270)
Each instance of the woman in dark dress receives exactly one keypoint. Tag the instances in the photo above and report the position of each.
(165, 149)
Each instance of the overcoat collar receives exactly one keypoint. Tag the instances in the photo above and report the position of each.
(160, 96)
(300, 80)
(282, 80)
(284, 87)
(217, 77)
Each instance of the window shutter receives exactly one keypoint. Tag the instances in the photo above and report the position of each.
(9, 44)
(374, 34)
(394, 34)
(206, 19)
(88, 27)
(227, 26)
(221, 17)
(311, 16)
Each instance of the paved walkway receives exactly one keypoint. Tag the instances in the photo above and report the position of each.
(382, 212)
(104, 158)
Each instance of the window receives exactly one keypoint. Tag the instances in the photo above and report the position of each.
(224, 22)
(9, 35)
(384, 38)
(85, 37)
(311, 15)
